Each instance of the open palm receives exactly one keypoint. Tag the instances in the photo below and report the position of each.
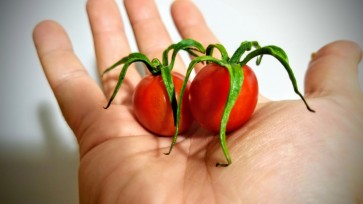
(284, 154)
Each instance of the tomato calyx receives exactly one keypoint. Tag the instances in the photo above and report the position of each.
(233, 65)
(157, 67)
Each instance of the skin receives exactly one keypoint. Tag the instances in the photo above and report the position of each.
(284, 154)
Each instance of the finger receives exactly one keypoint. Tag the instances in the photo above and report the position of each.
(111, 45)
(77, 94)
(334, 68)
(150, 33)
(191, 24)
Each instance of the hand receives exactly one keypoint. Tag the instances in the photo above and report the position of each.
(284, 154)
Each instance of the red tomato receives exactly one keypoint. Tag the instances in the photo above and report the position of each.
(208, 95)
(152, 105)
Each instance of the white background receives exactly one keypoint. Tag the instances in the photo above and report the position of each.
(38, 153)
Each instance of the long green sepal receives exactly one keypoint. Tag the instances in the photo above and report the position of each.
(236, 80)
(181, 94)
(281, 56)
(119, 83)
(188, 45)
(245, 46)
(222, 50)
(192, 53)
(132, 57)
(127, 61)
(170, 89)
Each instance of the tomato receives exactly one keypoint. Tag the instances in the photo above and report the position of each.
(208, 95)
(152, 106)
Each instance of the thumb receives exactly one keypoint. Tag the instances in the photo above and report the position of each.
(334, 69)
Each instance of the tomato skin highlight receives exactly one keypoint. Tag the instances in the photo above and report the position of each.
(208, 95)
(152, 106)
